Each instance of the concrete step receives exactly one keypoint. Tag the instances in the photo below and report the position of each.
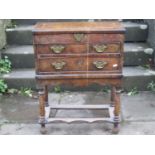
(22, 34)
(23, 56)
(133, 77)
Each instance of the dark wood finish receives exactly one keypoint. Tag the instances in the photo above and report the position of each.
(79, 54)
(42, 104)
(68, 49)
(78, 63)
(108, 67)
(112, 95)
(102, 37)
(46, 96)
(77, 120)
(74, 27)
(58, 39)
(72, 64)
(81, 82)
(112, 47)
(116, 111)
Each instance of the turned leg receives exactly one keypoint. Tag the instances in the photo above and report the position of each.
(116, 111)
(112, 95)
(42, 119)
(46, 96)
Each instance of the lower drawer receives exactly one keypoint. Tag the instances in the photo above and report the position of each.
(78, 64)
(103, 64)
(61, 64)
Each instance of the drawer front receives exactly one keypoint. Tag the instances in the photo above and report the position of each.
(61, 49)
(77, 38)
(62, 64)
(105, 48)
(78, 63)
(101, 38)
(103, 64)
(61, 38)
(78, 49)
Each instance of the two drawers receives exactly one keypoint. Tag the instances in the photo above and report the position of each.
(78, 52)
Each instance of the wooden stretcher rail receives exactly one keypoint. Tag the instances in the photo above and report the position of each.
(75, 120)
(93, 107)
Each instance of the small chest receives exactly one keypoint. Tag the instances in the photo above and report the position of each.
(78, 48)
(79, 54)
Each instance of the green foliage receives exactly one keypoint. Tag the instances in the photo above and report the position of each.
(26, 92)
(133, 92)
(5, 65)
(146, 66)
(151, 86)
(57, 89)
(12, 91)
(13, 24)
(3, 87)
(105, 89)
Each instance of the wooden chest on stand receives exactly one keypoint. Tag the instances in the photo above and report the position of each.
(79, 54)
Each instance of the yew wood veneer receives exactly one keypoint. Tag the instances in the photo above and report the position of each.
(79, 54)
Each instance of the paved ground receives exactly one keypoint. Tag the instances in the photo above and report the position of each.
(18, 114)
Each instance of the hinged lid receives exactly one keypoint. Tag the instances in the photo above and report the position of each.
(73, 27)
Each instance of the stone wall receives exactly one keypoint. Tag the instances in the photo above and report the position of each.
(151, 34)
(3, 24)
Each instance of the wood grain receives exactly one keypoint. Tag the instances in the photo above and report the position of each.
(74, 27)
(68, 49)
(78, 63)
(83, 65)
(58, 39)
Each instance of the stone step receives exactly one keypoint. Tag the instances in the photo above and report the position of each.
(133, 77)
(34, 21)
(23, 56)
(22, 34)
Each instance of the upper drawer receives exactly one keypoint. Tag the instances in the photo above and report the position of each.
(105, 47)
(61, 49)
(61, 38)
(101, 38)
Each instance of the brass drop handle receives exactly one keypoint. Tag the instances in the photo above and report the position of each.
(100, 48)
(100, 64)
(57, 48)
(78, 36)
(58, 65)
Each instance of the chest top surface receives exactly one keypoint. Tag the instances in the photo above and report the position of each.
(107, 27)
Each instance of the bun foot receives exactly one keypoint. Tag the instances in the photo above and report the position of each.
(115, 130)
(43, 130)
